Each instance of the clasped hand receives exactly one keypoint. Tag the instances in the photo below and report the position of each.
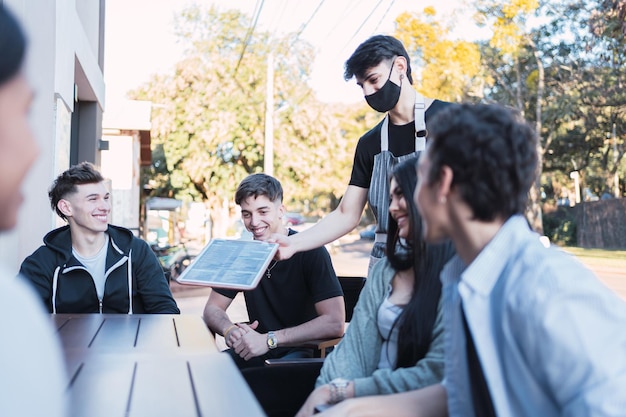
(247, 342)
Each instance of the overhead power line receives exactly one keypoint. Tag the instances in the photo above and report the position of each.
(363, 22)
(383, 17)
(257, 13)
(304, 26)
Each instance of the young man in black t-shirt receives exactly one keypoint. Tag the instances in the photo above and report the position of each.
(297, 300)
(382, 68)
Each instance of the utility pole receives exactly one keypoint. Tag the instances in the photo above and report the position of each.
(615, 176)
(574, 175)
(268, 157)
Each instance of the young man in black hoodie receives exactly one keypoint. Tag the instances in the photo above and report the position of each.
(90, 266)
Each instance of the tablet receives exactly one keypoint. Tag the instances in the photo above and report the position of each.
(234, 264)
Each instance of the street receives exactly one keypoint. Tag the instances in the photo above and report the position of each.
(351, 256)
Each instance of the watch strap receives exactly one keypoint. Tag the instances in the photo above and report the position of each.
(338, 390)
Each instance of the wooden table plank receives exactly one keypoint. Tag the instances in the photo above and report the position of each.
(220, 387)
(102, 387)
(78, 332)
(117, 333)
(163, 387)
(193, 333)
(156, 332)
(149, 365)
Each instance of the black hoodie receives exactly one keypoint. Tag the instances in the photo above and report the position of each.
(65, 286)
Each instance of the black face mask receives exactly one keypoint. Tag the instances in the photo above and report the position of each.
(387, 97)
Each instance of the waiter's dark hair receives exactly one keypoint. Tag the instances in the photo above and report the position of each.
(372, 52)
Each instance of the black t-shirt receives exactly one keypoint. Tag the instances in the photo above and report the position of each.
(288, 298)
(401, 142)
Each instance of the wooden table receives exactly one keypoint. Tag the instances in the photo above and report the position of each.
(149, 365)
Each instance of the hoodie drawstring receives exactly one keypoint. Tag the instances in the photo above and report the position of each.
(55, 279)
(130, 283)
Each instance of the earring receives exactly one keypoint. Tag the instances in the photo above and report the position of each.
(401, 77)
(443, 199)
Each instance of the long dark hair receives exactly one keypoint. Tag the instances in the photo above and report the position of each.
(12, 45)
(415, 323)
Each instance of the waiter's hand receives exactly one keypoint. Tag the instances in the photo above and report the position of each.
(285, 248)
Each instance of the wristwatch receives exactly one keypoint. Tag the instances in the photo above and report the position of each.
(338, 390)
(272, 340)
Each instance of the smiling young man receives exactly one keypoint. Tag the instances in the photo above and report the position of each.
(382, 68)
(90, 266)
(297, 300)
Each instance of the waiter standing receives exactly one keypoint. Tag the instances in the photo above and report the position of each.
(382, 68)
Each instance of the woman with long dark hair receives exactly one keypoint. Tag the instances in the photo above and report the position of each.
(395, 339)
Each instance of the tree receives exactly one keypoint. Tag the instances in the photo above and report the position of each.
(447, 69)
(585, 80)
(516, 65)
(209, 115)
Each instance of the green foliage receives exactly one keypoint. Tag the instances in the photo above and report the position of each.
(560, 62)
(560, 227)
(445, 68)
(585, 81)
(209, 116)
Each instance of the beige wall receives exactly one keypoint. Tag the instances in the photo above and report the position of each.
(57, 46)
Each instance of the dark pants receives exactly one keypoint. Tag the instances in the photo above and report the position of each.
(278, 353)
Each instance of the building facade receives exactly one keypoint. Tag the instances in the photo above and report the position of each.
(64, 63)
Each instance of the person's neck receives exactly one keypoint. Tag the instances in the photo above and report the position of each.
(471, 236)
(87, 244)
(404, 112)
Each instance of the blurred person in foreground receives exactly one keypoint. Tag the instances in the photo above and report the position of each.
(91, 266)
(382, 68)
(32, 373)
(529, 330)
(395, 339)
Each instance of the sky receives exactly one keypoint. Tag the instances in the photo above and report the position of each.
(139, 38)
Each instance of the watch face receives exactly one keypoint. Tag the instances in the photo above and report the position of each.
(340, 382)
(272, 341)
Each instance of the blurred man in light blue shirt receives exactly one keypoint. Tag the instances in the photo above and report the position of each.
(530, 325)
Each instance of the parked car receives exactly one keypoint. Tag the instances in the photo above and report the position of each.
(293, 219)
(369, 233)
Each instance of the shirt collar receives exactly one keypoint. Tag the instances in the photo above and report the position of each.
(483, 273)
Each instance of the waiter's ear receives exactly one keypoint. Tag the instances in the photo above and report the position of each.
(400, 64)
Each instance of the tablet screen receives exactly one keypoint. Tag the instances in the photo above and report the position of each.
(235, 264)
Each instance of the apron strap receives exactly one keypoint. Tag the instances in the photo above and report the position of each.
(420, 123)
(384, 135)
(420, 126)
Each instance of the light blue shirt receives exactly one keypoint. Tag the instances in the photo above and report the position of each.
(551, 338)
(33, 379)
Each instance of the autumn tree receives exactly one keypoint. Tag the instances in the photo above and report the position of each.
(446, 68)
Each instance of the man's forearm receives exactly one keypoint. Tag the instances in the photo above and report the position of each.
(330, 228)
(322, 327)
(426, 402)
(217, 320)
